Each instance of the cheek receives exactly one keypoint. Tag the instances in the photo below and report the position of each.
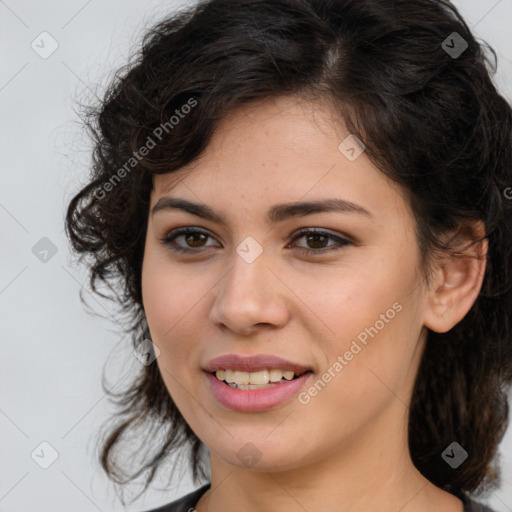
(342, 304)
(362, 380)
(175, 300)
(372, 324)
(163, 301)
(167, 294)
(379, 363)
(168, 305)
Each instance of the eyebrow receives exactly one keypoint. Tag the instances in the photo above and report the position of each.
(276, 213)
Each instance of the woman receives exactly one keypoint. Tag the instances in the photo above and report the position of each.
(304, 205)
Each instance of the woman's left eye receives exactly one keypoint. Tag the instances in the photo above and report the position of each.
(318, 238)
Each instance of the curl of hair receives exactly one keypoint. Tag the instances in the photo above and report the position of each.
(432, 123)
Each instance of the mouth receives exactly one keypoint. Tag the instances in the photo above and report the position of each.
(257, 382)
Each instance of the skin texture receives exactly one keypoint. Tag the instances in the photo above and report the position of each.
(347, 448)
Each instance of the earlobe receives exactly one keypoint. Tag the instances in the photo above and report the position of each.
(457, 280)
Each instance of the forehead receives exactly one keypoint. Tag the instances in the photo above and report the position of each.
(277, 151)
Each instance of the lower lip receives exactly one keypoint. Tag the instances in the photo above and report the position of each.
(252, 400)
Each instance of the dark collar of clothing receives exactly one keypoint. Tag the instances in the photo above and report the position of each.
(188, 502)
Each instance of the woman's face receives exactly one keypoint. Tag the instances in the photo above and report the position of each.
(353, 314)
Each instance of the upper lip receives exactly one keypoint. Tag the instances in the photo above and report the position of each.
(253, 363)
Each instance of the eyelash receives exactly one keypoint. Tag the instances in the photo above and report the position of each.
(169, 238)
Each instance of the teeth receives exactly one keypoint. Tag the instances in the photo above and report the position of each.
(276, 375)
(259, 378)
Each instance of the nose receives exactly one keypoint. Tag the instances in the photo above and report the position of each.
(250, 294)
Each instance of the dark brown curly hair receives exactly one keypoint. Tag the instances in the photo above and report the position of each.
(431, 119)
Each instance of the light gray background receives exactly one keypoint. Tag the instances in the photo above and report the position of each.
(53, 351)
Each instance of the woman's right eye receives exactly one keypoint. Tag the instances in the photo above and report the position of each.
(191, 236)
